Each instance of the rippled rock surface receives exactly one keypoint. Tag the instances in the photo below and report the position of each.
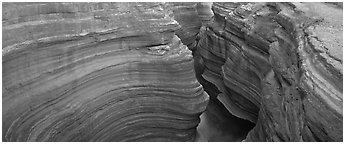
(278, 65)
(96, 72)
(233, 65)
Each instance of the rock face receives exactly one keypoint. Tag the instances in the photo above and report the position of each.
(96, 72)
(278, 65)
(303, 93)
(232, 65)
(191, 16)
(118, 72)
(186, 14)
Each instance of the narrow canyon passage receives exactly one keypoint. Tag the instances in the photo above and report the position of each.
(151, 71)
(254, 61)
(216, 123)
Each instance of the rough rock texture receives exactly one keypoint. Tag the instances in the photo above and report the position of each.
(96, 72)
(303, 94)
(186, 14)
(231, 63)
(278, 65)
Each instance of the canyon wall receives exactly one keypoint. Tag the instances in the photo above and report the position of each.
(185, 13)
(96, 72)
(191, 16)
(123, 71)
(278, 65)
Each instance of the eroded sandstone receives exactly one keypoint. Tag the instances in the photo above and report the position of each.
(278, 65)
(185, 13)
(97, 72)
(118, 72)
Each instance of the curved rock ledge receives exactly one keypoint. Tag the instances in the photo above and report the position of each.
(97, 72)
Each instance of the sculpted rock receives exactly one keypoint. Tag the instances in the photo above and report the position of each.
(231, 63)
(96, 72)
(278, 65)
(303, 94)
(185, 13)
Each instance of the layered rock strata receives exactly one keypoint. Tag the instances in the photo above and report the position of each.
(232, 60)
(278, 65)
(303, 94)
(186, 14)
(96, 72)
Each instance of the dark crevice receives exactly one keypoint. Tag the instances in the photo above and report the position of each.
(217, 123)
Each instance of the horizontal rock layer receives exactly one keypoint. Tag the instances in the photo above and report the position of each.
(97, 72)
(279, 65)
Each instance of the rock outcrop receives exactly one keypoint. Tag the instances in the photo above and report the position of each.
(96, 72)
(278, 65)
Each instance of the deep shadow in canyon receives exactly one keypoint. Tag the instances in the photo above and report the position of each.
(266, 63)
(218, 125)
(200, 71)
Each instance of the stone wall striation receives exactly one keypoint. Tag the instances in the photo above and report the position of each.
(278, 65)
(97, 72)
(118, 72)
(186, 14)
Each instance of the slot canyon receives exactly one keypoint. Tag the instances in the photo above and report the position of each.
(173, 71)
